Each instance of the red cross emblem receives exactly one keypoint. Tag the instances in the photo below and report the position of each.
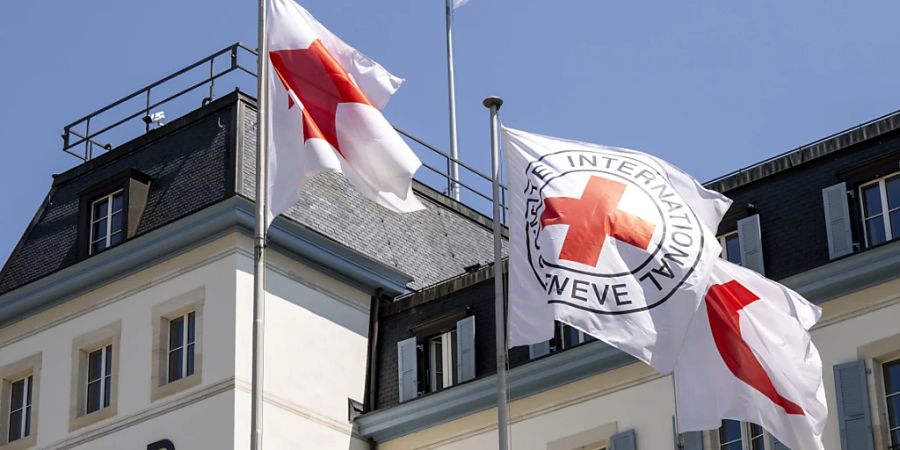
(321, 83)
(723, 305)
(592, 218)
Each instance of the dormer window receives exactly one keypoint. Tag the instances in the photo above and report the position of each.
(106, 221)
(881, 209)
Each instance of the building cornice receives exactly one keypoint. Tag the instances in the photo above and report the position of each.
(848, 274)
(233, 214)
(481, 394)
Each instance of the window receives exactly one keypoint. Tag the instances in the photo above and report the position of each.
(177, 344)
(735, 435)
(99, 379)
(441, 359)
(181, 347)
(881, 209)
(18, 415)
(95, 384)
(106, 221)
(731, 247)
(892, 394)
(572, 337)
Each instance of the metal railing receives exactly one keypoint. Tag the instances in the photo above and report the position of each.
(118, 121)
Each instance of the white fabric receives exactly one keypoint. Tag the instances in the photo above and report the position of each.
(775, 328)
(379, 164)
(652, 334)
(458, 3)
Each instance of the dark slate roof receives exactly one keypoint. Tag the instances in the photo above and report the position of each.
(431, 245)
(804, 154)
(208, 156)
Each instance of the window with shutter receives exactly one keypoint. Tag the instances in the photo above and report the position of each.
(837, 220)
(625, 440)
(854, 416)
(750, 240)
(465, 352)
(408, 383)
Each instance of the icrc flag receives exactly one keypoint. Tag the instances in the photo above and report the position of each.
(613, 242)
(325, 102)
(748, 356)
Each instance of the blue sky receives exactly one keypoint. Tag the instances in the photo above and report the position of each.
(709, 85)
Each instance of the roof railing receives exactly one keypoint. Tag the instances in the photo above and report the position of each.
(145, 108)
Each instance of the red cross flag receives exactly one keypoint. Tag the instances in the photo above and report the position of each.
(748, 356)
(613, 242)
(325, 102)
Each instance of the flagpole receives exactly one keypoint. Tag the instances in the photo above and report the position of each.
(494, 103)
(451, 81)
(259, 261)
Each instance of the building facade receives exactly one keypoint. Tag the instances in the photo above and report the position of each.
(125, 308)
(823, 219)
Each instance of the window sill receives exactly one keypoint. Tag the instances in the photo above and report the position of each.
(21, 444)
(160, 392)
(92, 418)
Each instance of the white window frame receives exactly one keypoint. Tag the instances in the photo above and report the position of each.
(106, 338)
(723, 241)
(26, 407)
(885, 212)
(25, 369)
(746, 438)
(109, 213)
(186, 345)
(105, 380)
(447, 358)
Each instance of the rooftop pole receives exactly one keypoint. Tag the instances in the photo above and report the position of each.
(259, 260)
(494, 103)
(453, 176)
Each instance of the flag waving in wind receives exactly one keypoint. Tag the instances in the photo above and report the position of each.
(748, 356)
(613, 242)
(325, 107)
(458, 3)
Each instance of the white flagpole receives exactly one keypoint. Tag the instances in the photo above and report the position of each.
(259, 263)
(494, 103)
(454, 152)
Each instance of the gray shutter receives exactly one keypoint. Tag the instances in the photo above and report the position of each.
(837, 220)
(538, 350)
(406, 369)
(778, 445)
(750, 240)
(693, 440)
(854, 416)
(465, 349)
(625, 440)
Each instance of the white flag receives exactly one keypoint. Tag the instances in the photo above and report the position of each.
(458, 3)
(613, 242)
(748, 356)
(325, 102)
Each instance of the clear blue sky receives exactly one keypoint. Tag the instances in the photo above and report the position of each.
(710, 85)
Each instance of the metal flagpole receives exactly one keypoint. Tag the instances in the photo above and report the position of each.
(259, 263)
(494, 103)
(454, 152)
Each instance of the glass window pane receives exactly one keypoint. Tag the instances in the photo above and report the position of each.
(895, 224)
(190, 360)
(893, 404)
(892, 186)
(27, 421)
(15, 426)
(117, 202)
(117, 222)
(190, 333)
(892, 378)
(17, 392)
(729, 431)
(176, 333)
(175, 364)
(99, 230)
(94, 359)
(875, 230)
(108, 360)
(895, 439)
(733, 249)
(115, 238)
(872, 200)
(98, 246)
(107, 387)
(93, 396)
(733, 446)
(100, 210)
(28, 396)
